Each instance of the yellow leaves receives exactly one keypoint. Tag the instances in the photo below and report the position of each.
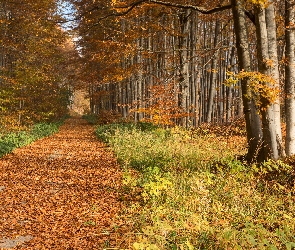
(189, 245)
(212, 70)
(262, 3)
(158, 117)
(115, 2)
(291, 218)
(148, 230)
(269, 63)
(262, 88)
(144, 244)
(231, 80)
(38, 61)
(129, 180)
(157, 187)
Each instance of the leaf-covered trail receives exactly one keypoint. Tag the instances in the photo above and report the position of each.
(62, 192)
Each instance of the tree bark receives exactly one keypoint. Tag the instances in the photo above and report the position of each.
(290, 78)
(253, 124)
(230, 88)
(267, 64)
(274, 70)
(184, 66)
(213, 75)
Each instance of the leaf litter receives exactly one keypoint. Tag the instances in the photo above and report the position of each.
(61, 192)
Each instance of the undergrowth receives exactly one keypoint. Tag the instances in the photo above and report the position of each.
(192, 193)
(91, 118)
(12, 140)
(104, 117)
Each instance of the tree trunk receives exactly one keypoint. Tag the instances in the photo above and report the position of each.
(290, 78)
(230, 88)
(213, 75)
(253, 124)
(267, 64)
(184, 66)
(273, 56)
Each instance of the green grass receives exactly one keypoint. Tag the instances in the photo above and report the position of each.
(91, 118)
(10, 141)
(192, 193)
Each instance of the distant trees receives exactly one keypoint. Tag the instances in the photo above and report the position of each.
(133, 46)
(153, 58)
(33, 62)
(127, 55)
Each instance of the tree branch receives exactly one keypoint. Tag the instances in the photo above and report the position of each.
(181, 6)
(192, 7)
(251, 16)
(130, 7)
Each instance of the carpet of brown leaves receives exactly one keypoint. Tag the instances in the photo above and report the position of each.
(63, 191)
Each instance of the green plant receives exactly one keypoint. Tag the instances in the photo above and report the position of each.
(195, 194)
(91, 118)
(10, 141)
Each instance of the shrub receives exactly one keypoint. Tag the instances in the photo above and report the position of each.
(193, 193)
(91, 118)
(10, 141)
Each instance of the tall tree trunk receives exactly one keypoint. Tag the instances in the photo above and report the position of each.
(184, 66)
(268, 64)
(273, 56)
(213, 75)
(290, 78)
(230, 88)
(253, 124)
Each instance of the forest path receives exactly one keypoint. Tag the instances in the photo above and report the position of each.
(61, 192)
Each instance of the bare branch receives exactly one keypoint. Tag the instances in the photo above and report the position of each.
(251, 16)
(123, 13)
(192, 7)
(181, 6)
(130, 7)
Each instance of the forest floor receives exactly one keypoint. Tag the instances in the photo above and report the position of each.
(61, 192)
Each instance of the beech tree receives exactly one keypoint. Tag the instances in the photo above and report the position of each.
(172, 54)
(190, 55)
(253, 123)
(33, 86)
(290, 77)
(268, 64)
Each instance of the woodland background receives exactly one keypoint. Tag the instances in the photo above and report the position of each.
(189, 63)
(166, 62)
(195, 98)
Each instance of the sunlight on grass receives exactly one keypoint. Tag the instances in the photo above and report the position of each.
(195, 194)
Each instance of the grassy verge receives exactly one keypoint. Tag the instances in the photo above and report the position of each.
(10, 141)
(91, 118)
(189, 192)
(104, 117)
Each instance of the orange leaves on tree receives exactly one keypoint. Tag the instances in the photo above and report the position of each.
(262, 88)
(162, 108)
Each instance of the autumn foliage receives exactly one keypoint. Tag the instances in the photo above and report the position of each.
(62, 192)
(162, 108)
(33, 58)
